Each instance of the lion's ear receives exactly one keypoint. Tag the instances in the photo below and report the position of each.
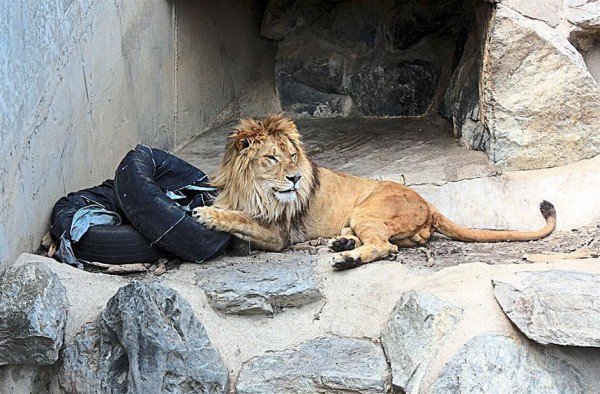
(242, 143)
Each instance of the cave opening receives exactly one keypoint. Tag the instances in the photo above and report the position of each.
(377, 89)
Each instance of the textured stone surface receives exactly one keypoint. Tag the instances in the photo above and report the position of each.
(490, 363)
(260, 286)
(322, 365)
(537, 119)
(558, 307)
(33, 312)
(417, 329)
(403, 89)
(584, 16)
(461, 102)
(548, 11)
(146, 340)
(362, 58)
(407, 24)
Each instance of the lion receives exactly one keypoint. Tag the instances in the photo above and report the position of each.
(273, 196)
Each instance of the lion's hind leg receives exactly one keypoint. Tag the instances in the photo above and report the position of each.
(373, 233)
(363, 254)
(391, 212)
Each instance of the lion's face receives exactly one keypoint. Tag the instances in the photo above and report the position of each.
(276, 168)
(265, 171)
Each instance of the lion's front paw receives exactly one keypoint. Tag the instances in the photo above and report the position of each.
(209, 217)
(340, 244)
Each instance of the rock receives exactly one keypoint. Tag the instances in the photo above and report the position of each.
(461, 101)
(276, 23)
(406, 25)
(361, 58)
(146, 340)
(351, 25)
(33, 314)
(322, 365)
(403, 89)
(585, 16)
(537, 119)
(417, 329)
(302, 100)
(557, 307)
(310, 74)
(312, 61)
(491, 363)
(260, 287)
(548, 11)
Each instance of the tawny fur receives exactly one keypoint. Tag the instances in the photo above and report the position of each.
(371, 218)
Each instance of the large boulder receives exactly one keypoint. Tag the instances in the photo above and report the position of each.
(249, 287)
(403, 89)
(33, 313)
(146, 340)
(540, 101)
(417, 329)
(491, 363)
(557, 307)
(322, 365)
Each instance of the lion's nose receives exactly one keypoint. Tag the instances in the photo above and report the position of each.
(294, 178)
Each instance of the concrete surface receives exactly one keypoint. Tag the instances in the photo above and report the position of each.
(407, 150)
(81, 82)
(463, 184)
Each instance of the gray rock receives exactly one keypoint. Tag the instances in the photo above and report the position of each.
(313, 61)
(558, 307)
(322, 365)
(302, 100)
(250, 287)
(540, 100)
(403, 89)
(407, 24)
(490, 363)
(33, 314)
(146, 340)
(310, 74)
(585, 16)
(276, 23)
(417, 329)
(351, 25)
(361, 58)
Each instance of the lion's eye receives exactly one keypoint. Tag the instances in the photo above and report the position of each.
(294, 156)
(272, 159)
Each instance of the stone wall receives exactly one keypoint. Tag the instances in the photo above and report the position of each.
(83, 81)
(363, 58)
(517, 78)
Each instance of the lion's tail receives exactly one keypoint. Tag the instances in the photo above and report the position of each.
(459, 233)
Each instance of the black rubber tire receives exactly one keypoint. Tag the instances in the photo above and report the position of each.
(116, 245)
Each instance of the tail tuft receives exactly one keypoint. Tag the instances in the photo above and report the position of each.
(547, 210)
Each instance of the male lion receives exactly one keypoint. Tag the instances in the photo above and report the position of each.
(273, 195)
